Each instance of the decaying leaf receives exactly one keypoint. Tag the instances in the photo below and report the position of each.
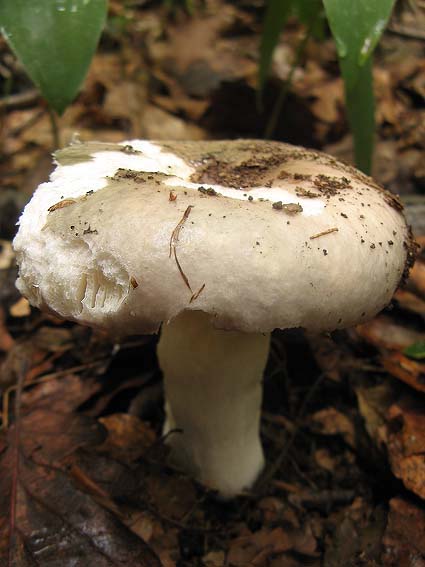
(404, 541)
(373, 402)
(357, 535)
(406, 443)
(330, 421)
(53, 518)
(385, 333)
(260, 547)
(411, 302)
(412, 372)
(128, 436)
(21, 308)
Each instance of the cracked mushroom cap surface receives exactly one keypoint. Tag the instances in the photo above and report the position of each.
(261, 235)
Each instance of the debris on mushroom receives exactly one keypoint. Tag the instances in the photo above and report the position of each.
(208, 191)
(124, 260)
(290, 208)
(61, 205)
(324, 232)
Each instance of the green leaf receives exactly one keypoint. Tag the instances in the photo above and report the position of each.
(277, 13)
(416, 350)
(55, 40)
(356, 27)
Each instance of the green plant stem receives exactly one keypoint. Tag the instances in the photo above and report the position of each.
(278, 105)
(55, 128)
(360, 108)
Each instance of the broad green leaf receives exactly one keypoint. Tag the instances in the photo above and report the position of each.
(277, 13)
(356, 27)
(55, 40)
(416, 350)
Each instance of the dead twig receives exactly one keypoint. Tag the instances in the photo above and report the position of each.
(197, 294)
(176, 232)
(19, 100)
(173, 245)
(183, 275)
(46, 378)
(15, 132)
(404, 31)
(321, 499)
(324, 232)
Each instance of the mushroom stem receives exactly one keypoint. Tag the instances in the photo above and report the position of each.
(213, 389)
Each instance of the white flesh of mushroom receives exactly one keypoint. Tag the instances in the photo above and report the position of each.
(213, 387)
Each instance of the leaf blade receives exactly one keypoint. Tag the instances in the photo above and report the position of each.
(55, 41)
(356, 28)
(415, 350)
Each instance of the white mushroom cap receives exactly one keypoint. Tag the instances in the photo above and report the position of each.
(261, 235)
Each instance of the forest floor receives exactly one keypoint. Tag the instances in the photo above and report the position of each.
(83, 472)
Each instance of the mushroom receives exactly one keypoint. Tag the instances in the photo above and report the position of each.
(217, 243)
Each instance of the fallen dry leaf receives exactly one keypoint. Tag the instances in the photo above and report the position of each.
(373, 402)
(412, 372)
(417, 277)
(54, 518)
(52, 339)
(63, 391)
(406, 443)
(329, 356)
(385, 333)
(404, 539)
(325, 459)
(357, 535)
(6, 340)
(410, 302)
(260, 547)
(157, 124)
(7, 256)
(58, 524)
(272, 509)
(21, 308)
(172, 497)
(330, 421)
(214, 559)
(128, 436)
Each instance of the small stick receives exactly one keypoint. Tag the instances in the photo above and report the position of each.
(197, 294)
(175, 234)
(20, 100)
(328, 231)
(183, 275)
(173, 244)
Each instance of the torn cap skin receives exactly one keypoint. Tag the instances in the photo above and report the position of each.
(220, 243)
